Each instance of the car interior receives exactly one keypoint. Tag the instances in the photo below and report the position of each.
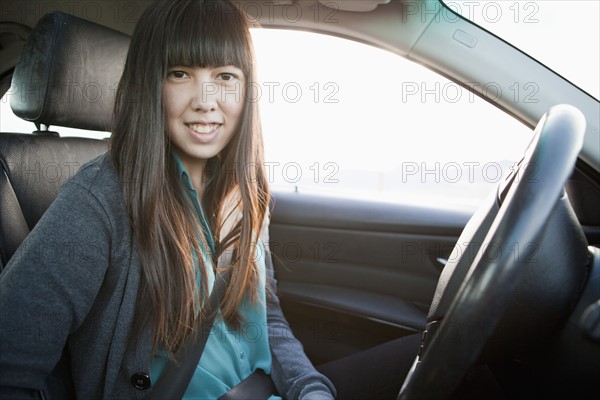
(507, 299)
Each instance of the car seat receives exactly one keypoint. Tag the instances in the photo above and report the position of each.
(67, 75)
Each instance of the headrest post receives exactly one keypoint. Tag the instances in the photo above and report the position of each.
(43, 129)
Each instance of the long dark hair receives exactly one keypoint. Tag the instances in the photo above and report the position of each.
(166, 230)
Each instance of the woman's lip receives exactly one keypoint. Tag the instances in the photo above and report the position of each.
(202, 127)
(203, 137)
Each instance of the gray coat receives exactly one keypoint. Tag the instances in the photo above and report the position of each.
(74, 283)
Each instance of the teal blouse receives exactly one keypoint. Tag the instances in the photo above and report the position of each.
(229, 355)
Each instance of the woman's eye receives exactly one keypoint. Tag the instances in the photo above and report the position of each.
(227, 77)
(177, 74)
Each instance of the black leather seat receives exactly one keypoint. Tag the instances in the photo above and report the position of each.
(67, 75)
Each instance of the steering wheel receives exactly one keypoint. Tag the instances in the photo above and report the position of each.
(474, 293)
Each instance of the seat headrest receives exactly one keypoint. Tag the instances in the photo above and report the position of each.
(68, 72)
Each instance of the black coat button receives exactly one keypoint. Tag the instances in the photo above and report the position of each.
(140, 380)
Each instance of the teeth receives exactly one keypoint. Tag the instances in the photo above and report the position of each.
(203, 128)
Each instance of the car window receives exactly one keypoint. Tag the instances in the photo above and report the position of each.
(347, 119)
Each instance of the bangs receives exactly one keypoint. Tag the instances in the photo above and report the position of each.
(207, 34)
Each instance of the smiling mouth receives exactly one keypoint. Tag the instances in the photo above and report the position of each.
(203, 128)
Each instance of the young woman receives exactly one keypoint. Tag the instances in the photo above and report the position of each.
(180, 196)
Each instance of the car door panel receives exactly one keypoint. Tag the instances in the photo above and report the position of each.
(355, 273)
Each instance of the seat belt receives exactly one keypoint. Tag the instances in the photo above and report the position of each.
(257, 385)
(176, 377)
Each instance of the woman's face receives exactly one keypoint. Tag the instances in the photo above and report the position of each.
(204, 108)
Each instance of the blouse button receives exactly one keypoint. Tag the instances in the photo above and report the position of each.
(242, 355)
(140, 381)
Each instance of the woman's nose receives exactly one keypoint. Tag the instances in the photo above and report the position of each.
(205, 97)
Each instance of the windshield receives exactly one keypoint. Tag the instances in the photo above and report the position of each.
(561, 34)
